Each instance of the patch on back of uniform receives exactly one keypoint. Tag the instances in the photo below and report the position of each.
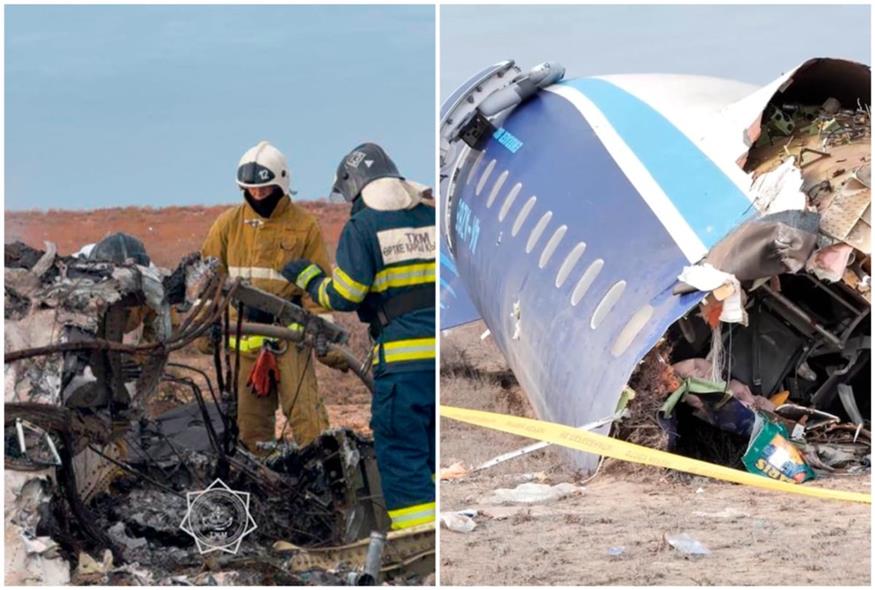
(407, 243)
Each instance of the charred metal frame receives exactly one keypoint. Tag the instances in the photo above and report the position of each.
(108, 356)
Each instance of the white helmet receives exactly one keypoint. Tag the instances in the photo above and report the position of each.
(263, 165)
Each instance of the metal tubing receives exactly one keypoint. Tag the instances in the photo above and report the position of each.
(374, 560)
(253, 329)
(836, 342)
(832, 294)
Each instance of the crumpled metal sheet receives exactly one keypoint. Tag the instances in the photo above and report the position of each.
(153, 290)
(57, 300)
(848, 218)
(770, 245)
(39, 379)
(80, 291)
(779, 190)
(60, 299)
(81, 302)
(401, 547)
(29, 558)
(94, 473)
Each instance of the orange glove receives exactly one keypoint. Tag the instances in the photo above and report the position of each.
(265, 374)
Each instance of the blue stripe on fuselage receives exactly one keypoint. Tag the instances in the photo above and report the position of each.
(709, 201)
(572, 174)
(565, 365)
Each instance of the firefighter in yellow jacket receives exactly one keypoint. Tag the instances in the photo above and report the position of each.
(254, 241)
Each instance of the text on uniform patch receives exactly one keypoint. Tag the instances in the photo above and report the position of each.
(407, 243)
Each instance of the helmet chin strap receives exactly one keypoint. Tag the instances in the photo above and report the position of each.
(265, 206)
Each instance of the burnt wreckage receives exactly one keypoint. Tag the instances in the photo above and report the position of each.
(96, 480)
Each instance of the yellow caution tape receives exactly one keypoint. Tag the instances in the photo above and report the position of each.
(599, 444)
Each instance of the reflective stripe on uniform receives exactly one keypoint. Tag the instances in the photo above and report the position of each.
(323, 298)
(253, 343)
(404, 518)
(405, 275)
(347, 287)
(414, 349)
(307, 275)
(247, 343)
(255, 272)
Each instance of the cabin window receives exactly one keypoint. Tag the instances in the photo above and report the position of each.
(499, 182)
(538, 230)
(552, 245)
(474, 167)
(607, 304)
(631, 330)
(586, 280)
(568, 263)
(484, 177)
(508, 201)
(521, 216)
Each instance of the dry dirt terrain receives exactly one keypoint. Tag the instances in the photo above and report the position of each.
(170, 233)
(613, 532)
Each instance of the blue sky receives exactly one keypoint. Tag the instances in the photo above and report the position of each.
(749, 43)
(154, 105)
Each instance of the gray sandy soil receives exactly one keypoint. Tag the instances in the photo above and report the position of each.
(756, 537)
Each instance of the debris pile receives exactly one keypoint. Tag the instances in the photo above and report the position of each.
(327, 503)
(771, 373)
(648, 388)
(98, 482)
(817, 158)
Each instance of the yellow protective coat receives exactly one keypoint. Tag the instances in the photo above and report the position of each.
(256, 249)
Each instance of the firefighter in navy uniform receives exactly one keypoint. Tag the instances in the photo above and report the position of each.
(386, 271)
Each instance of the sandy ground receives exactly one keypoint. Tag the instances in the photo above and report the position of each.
(756, 537)
(168, 235)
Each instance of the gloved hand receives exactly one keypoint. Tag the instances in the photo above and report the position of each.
(301, 272)
(334, 359)
(265, 374)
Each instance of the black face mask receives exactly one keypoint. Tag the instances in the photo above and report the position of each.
(265, 206)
